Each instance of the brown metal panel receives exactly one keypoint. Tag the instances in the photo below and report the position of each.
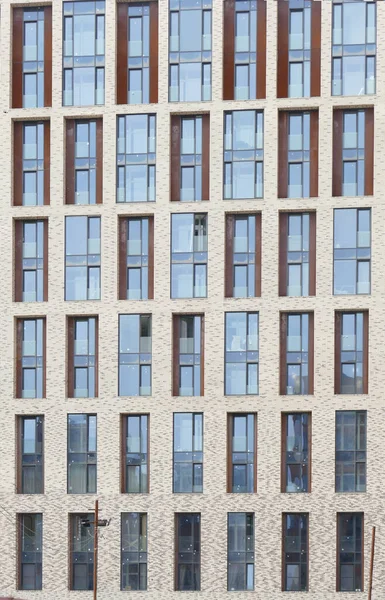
(365, 366)
(228, 49)
(337, 353)
(18, 261)
(282, 270)
(17, 58)
(123, 442)
(148, 452)
(70, 161)
(44, 358)
(315, 59)
(175, 158)
(19, 453)
(206, 157)
(48, 56)
(309, 443)
(258, 255)
(338, 120)
(282, 353)
(312, 253)
(19, 353)
(122, 275)
(18, 163)
(70, 356)
(229, 478)
(96, 356)
(47, 162)
(176, 550)
(122, 54)
(99, 161)
(283, 451)
(311, 355)
(175, 354)
(150, 258)
(202, 349)
(283, 537)
(255, 452)
(154, 27)
(45, 260)
(338, 554)
(313, 153)
(261, 49)
(283, 49)
(229, 249)
(283, 133)
(369, 151)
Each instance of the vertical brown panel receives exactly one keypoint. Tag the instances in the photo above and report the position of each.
(202, 349)
(206, 157)
(312, 253)
(283, 133)
(283, 537)
(315, 60)
(17, 58)
(96, 357)
(365, 358)
(99, 161)
(19, 454)
(150, 258)
(338, 120)
(122, 274)
(229, 250)
(44, 358)
(258, 254)
(261, 49)
(283, 49)
(148, 453)
(122, 54)
(337, 352)
(45, 260)
(70, 356)
(19, 353)
(255, 452)
(283, 451)
(228, 49)
(309, 442)
(311, 354)
(282, 353)
(362, 516)
(176, 550)
(18, 163)
(175, 158)
(338, 554)
(18, 287)
(70, 161)
(175, 354)
(369, 151)
(282, 270)
(314, 153)
(47, 162)
(154, 26)
(123, 442)
(19, 525)
(229, 478)
(48, 56)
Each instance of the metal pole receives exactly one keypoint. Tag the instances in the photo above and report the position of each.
(96, 519)
(371, 564)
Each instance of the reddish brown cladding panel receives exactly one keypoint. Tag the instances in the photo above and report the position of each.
(122, 54)
(228, 49)
(283, 49)
(261, 49)
(315, 69)
(154, 43)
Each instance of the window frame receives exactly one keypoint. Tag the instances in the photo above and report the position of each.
(20, 528)
(284, 534)
(193, 461)
(230, 427)
(337, 350)
(230, 219)
(71, 328)
(176, 354)
(87, 452)
(19, 323)
(178, 516)
(123, 222)
(355, 451)
(339, 517)
(70, 171)
(284, 424)
(18, 258)
(123, 452)
(19, 451)
(124, 515)
(283, 352)
(283, 250)
(18, 161)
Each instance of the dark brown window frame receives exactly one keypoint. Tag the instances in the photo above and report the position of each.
(71, 534)
(70, 352)
(284, 416)
(229, 475)
(18, 353)
(282, 352)
(283, 238)
(175, 350)
(284, 515)
(229, 251)
(18, 257)
(19, 545)
(177, 515)
(362, 548)
(19, 450)
(337, 349)
(123, 437)
(18, 160)
(122, 264)
(70, 128)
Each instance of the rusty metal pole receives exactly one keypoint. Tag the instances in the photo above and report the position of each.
(96, 519)
(371, 564)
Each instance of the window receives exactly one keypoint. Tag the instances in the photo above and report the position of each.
(136, 258)
(136, 137)
(353, 152)
(82, 268)
(81, 551)
(188, 355)
(188, 256)
(295, 547)
(243, 154)
(297, 254)
(83, 52)
(350, 552)
(30, 359)
(243, 255)
(32, 57)
(242, 355)
(135, 355)
(190, 51)
(135, 454)
(30, 474)
(31, 261)
(84, 161)
(188, 452)
(82, 357)
(351, 352)
(31, 168)
(354, 47)
(240, 551)
(350, 451)
(82, 454)
(296, 452)
(352, 252)
(187, 552)
(134, 551)
(242, 453)
(137, 53)
(297, 353)
(30, 551)
(298, 154)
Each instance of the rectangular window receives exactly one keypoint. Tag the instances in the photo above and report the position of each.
(30, 551)
(84, 161)
(296, 452)
(295, 551)
(297, 254)
(31, 261)
(136, 140)
(190, 51)
(242, 453)
(242, 353)
(30, 473)
(31, 165)
(187, 552)
(136, 258)
(82, 357)
(188, 355)
(134, 551)
(135, 454)
(243, 154)
(297, 354)
(82, 551)
(189, 256)
(352, 250)
(135, 355)
(243, 255)
(82, 454)
(350, 552)
(30, 359)
(82, 266)
(83, 52)
(188, 452)
(350, 451)
(351, 352)
(354, 47)
(240, 551)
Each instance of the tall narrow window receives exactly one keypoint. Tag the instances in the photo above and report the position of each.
(188, 452)
(240, 551)
(30, 474)
(31, 164)
(136, 138)
(83, 52)
(352, 250)
(82, 357)
(189, 256)
(31, 261)
(32, 57)
(136, 258)
(297, 353)
(187, 552)
(135, 454)
(135, 355)
(243, 255)
(295, 550)
(350, 552)
(188, 355)
(351, 451)
(296, 452)
(297, 254)
(81, 551)
(30, 359)
(30, 551)
(190, 51)
(81, 454)
(243, 155)
(242, 453)
(354, 47)
(351, 352)
(242, 353)
(134, 551)
(84, 161)
(82, 266)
